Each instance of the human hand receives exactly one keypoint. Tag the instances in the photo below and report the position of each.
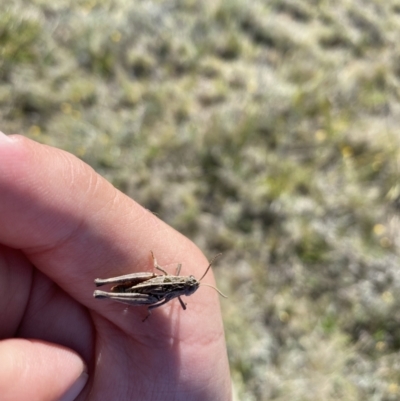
(62, 226)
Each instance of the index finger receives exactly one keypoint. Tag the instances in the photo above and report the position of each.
(74, 225)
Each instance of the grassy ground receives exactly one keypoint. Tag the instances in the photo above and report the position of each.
(268, 130)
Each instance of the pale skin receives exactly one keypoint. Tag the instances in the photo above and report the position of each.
(62, 226)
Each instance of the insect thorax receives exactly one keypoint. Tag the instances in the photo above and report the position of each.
(191, 285)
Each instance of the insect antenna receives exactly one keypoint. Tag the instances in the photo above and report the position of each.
(216, 289)
(208, 268)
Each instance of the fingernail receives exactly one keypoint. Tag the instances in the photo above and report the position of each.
(4, 138)
(76, 388)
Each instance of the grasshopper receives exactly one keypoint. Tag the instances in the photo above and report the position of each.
(151, 289)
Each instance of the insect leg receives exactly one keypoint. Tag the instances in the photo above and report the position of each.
(178, 269)
(182, 303)
(153, 307)
(156, 264)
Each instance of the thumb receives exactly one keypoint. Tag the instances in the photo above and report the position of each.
(35, 370)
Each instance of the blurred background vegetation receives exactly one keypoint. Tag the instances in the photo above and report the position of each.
(267, 130)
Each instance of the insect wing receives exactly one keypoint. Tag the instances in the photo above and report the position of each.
(160, 284)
